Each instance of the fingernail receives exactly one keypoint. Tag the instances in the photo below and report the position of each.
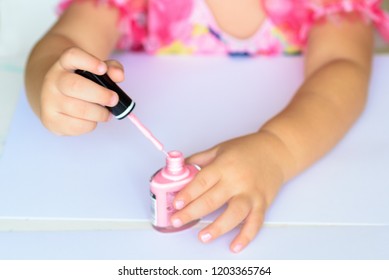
(109, 117)
(101, 68)
(206, 237)
(237, 248)
(114, 100)
(179, 204)
(177, 223)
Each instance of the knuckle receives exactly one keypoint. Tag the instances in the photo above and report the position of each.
(186, 216)
(238, 210)
(70, 53)
(202, 181)
(209, 202)
(261, 203)
(73, 84)
(83, 110)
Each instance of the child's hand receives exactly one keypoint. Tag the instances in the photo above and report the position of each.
(244, 173)
(72, 104)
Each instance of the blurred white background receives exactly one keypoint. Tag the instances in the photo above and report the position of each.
(22, 23)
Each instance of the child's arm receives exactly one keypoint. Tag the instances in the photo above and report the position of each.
(83, 37)
(247, 172)
(333, 95)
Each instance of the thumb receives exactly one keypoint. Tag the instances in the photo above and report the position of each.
(115, 70)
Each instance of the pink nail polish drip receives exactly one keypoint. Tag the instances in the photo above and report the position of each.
(147, 133)
(165, 184)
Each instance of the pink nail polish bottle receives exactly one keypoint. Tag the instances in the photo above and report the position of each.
(165, 184)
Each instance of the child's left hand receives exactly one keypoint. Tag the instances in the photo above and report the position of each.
(246, 173)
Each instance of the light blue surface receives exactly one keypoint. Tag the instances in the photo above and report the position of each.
(191, 104)
(277, 243)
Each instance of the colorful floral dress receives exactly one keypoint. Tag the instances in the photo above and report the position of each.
(188, 26)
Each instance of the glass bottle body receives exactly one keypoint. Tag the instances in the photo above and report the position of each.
(164, 186)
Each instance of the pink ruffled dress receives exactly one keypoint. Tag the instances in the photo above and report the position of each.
(188, 26)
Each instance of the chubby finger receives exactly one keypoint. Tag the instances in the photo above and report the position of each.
(65, 125)
(249, 230)
(204, 180)
(204, 158)
(237, 210)
(76, 86)
(84, 110)
(205, 204)
(115, 70)
(75, 58)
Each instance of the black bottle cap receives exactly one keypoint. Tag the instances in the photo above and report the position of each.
(125, 104)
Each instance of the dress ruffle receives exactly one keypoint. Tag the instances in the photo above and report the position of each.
(132, 20)
(296, 17)
(154, 24)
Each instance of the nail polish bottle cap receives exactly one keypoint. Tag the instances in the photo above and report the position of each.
(125, 104)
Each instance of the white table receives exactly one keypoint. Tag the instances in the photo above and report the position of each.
(87, 197)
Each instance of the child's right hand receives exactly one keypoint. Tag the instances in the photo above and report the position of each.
(72, 104)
